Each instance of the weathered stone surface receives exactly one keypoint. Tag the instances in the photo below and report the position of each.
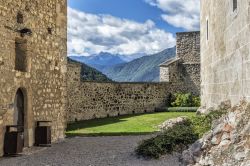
(42, 60)
(190, 156)
(89, 100)
(185, 67)
(225, 43)
(227, 144)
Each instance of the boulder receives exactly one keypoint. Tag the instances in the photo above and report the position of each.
(172, 122)
(228, 143)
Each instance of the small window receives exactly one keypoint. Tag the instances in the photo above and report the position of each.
(50, 30)
(21, 55)
(235, 5)
(19, 18)
(207, 30)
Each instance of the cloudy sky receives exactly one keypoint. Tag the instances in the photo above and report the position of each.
(128, 26)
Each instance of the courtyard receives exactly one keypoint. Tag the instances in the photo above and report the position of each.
(89, 151)
(101, 142)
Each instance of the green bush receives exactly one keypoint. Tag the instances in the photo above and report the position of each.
(185, 100)
(178, 137)
(167, 142)
(203, 123)
(196, 101)
(182, 100)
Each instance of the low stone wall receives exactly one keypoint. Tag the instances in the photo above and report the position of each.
(89, 100)
(97, 100)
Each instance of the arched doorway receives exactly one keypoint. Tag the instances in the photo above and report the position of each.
(19, 111)
(19, 108)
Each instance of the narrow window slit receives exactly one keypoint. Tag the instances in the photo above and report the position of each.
(19, 18)
(235, 5)
(21, 55)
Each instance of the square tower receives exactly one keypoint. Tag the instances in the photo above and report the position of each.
(225, 53)
(33, 51)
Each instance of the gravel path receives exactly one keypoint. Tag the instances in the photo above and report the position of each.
(89, 151)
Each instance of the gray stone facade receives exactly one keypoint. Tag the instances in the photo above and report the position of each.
(225, 53)
(33, 67)
(185, 67)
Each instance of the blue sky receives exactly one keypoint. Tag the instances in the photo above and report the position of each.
(128, 26)
(136, 10)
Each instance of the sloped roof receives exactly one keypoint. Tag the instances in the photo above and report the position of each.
(169, 62)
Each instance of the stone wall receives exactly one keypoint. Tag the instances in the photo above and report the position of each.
(225, 54)
(188, 53)
(34, 64)
(164, 74)
(185, 67)
(188, 46)
(88, 100)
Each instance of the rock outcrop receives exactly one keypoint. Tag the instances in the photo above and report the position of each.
(227, 144)
(172, 122)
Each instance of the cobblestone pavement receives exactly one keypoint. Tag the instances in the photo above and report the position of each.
(89, 151)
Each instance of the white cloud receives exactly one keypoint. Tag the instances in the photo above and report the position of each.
(91, 34)
(179, 13)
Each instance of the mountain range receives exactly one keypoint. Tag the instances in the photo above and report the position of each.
(132, 69)
(104, 59)
(144, 69)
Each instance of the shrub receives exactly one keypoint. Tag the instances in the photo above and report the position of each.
(178, 137)
(185, 100)
(182, 100)
(196, 101)
(203, 123)
(167, 142)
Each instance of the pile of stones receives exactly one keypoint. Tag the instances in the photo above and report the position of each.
(227, 144)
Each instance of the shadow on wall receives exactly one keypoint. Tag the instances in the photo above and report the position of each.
(186, 72)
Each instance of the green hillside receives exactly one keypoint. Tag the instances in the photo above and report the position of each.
(90, 74)
(144, 69)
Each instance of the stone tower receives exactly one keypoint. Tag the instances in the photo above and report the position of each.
(33, 54)
(184, 69)
(225, 53)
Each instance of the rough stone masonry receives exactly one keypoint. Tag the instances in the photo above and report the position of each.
(33, 53)
(90, 100)
(185, 67)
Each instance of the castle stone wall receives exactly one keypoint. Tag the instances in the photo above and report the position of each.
(185, 68)
(188, 53)
(89, 100)
(188, 46)
(164, 74)
(225, 52)
(37, 67)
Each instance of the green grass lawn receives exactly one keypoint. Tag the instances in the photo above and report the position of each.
(123, 125)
